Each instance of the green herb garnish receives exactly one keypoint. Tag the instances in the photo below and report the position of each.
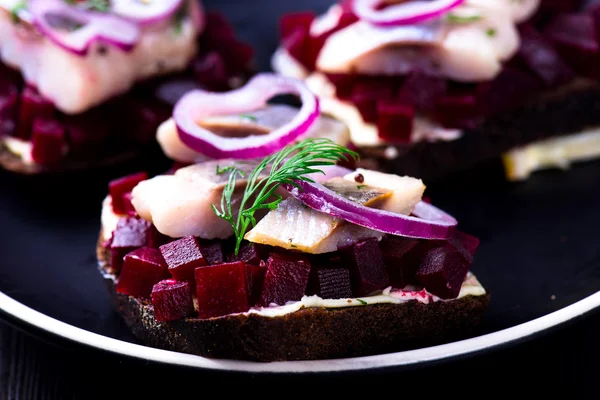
(491, 32)
(462, 19)
(360, 186)
(292, 163)
(179, 16)
(92, 5)
(248, 116)
(20, 6)
(361, 301)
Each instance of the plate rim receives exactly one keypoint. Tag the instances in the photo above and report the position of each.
(407, 358)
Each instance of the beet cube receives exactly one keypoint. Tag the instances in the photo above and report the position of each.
(541, 58)
(459, 110)
(290, 22)
(509, 89)
(88, 133)
(119, 187)
(367, 268)
(222, 289)
(9, 103)
(286, 279)
(297, 45)
(131, 233)
(255, 277)
(48, 139)
(575, 38)
(332, 283)
(401, 259)
(344, 83)
(250, 253)
(394, 121)
(421, 91)
(142, 269)
(213, 252)
(172, 300)
(210, 71)
(465, 244)
(183, 256)
(443, 270)
(365, 95)
(32, 106)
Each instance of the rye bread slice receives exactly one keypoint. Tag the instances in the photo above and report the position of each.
(307, 334)
(566, 110)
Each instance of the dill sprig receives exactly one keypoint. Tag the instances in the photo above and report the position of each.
(293, 163)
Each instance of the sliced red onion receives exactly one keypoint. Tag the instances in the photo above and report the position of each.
(432, 222)
(145, 12)
(88, 26)
(405, 13)
(197, 105)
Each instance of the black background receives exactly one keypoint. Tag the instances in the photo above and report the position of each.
(540, 252)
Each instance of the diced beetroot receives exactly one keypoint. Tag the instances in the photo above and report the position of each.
(539, 55)
(9, 104)
(575, 38)
(394, 121)
(508, 90)
(286, 278)
(32, 106)
(143, 117)
(298, 44)
(332, 283)
(367, 268)
(290, 22)
(442, 271)
(459, 110)
(131, 233)
(255, 277)
(465, 244)
(183, 256)
(118, 188)
(250, 253)
(365, 95)
(172, 300)
(421, 91)
(344, 83)
(212, 251)
(222, 289)
(211, 72)
(88, 132)
(142, 269)
(48, 139)
(401, 259)
(216, 26)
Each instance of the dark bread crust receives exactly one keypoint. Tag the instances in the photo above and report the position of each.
(307, 334)
(563, 111)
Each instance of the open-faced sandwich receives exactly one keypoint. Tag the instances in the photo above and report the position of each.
(86, 83)
(429, 87)
(266, 248)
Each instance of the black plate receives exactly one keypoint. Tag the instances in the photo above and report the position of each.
(538, 249)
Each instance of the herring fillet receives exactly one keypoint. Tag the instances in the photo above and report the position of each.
(180, 205)
(295, 226)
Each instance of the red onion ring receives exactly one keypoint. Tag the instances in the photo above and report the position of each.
(406, 13)
(199, 104)
(145, 12)
(95, 27)
(433, 223)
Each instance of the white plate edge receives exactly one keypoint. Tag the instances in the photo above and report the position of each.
(404, 358)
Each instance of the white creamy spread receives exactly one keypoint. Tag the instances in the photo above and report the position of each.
(470, 286)
(77, 83)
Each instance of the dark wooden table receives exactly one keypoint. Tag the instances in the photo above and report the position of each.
(564, 360)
